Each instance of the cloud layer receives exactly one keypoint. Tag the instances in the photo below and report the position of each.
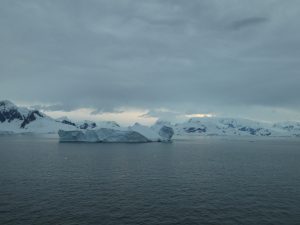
(196, 56)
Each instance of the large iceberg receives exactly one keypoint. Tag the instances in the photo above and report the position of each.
(135, 134)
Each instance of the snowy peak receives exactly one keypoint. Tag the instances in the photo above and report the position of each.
(5, 104)
(16, 119)
(9, 112)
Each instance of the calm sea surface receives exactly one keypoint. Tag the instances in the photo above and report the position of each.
(209, 181)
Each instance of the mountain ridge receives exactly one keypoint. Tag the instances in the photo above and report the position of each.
(14, 119)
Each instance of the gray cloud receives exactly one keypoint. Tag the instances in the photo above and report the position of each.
(102, 111)
(248, 22)
(163, 114)
(57, 107)
(174, 54)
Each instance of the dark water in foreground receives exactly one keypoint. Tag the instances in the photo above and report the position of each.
(210, 181)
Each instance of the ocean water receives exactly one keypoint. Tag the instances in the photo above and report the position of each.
(207, 181)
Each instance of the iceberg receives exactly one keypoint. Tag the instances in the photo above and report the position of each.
(108, 135)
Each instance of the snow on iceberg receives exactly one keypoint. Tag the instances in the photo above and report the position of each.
(163, 133)
(135, 134)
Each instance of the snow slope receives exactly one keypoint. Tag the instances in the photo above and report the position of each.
(15, 119)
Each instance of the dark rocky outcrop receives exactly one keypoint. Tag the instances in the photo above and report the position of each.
(10, 115)
(68, 123)
(31, 117)
(87, 125)
(256, 131)
(195, 130)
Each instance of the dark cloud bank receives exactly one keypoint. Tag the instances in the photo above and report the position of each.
(227, 57)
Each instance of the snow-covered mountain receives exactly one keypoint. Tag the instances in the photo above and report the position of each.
(22, 120)
(214, 126)
(293, 128)
(14, 119)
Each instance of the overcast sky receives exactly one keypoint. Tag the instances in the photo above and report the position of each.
(145, 59)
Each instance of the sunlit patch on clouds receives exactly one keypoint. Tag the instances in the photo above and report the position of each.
(173, 116)
(200, 115)
(125, 117)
